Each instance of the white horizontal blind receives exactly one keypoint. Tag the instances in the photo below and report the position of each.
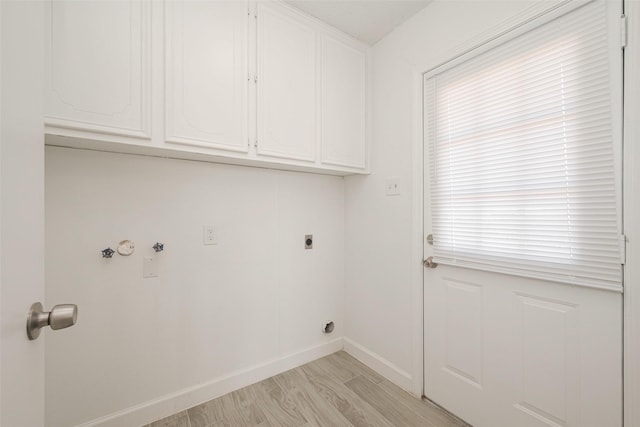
(522, 157)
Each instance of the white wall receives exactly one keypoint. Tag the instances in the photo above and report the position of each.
(381, 262)
(255, 297)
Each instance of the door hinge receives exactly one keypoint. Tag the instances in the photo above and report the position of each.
(255, 144)
(623, 249)
(623, 31)
(255, 79)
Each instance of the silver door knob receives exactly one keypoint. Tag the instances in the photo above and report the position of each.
(60, 317)
(429, 263)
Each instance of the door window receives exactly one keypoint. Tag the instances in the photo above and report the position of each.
(523, 155)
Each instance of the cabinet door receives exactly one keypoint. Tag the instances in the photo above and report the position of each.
(343, 104)
(206, 73)
(98, 66)
(286, 84)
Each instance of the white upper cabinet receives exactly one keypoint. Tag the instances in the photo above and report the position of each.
(343, 104)
(206, 74)
(256, 83)
(98, 68)
(287, 71)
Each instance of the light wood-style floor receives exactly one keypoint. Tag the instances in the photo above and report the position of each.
(334, 391)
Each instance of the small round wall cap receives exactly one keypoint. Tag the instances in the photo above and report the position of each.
(126, 247)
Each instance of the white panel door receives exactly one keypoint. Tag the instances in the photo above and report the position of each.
(98, 66)
(504, 351)
(21, 211)
(206, 73)
(507, 351)
(343, 104)
(286, 84)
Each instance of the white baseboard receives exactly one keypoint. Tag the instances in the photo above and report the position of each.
(164, 406)
(379, 364)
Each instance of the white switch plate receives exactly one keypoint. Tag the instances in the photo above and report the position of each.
(149, 268)
(392, 186)
(209, 235)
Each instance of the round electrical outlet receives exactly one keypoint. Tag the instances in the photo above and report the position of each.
(328, 327)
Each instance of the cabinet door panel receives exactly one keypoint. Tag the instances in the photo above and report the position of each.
(286, 85)
(206, 73)
(343, 104)
(98, 66)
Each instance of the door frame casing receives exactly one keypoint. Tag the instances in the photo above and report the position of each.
(417, 243)
(631, 191)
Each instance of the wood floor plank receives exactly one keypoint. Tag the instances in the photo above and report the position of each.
(279, 408)
(220, 424)
(314, 408)
(354, 409)
(245, 405)
(212, 412)
(352, 364)
(335, 368)
(391, 408)
(181, 419)
(427, 409)
(335, 391)
(203, 415)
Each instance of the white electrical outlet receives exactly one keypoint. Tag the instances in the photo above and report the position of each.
(209, 235)
(392, 186)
